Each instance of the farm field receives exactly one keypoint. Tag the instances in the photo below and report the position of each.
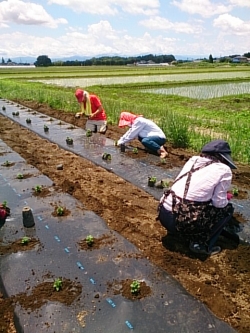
(221, 282)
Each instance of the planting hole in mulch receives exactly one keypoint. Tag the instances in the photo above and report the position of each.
(124, 288)
(17, 246)
(105, 240)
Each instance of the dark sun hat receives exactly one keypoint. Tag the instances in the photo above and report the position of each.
(222, 148)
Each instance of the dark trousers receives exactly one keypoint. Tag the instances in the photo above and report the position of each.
(167, 220)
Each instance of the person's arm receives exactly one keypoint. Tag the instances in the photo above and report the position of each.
(219, 198)
(99, 110)
(132, 132)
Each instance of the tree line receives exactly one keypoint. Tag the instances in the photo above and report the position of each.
(45, 61)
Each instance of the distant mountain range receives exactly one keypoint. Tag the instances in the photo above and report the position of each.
(31, 60)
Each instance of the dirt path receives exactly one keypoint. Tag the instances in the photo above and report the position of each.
(221, 282)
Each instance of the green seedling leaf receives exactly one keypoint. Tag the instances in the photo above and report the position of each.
(7, 163)
(4, 204)
(19, 176)
(60, 211)
(235, 191)
(135, 150)
(135, 287)
(38, 188)
(152, 179)
(90, 240)
(25, 240)
(57, 284)
(88, 133)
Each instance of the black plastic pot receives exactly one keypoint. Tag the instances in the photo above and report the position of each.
(123, 147)
(106, 157)
(69, 141)
(28, 219)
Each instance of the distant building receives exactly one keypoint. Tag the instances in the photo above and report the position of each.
(239, 59)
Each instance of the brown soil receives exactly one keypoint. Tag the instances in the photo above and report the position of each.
(16, 246)
(104, 240)
(124, 288)
(221, 282)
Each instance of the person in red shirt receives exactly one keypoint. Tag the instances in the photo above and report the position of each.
(92, 107)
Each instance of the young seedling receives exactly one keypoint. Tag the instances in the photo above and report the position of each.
(25, 240)
(164, 183)
(90, 240)
(59, 211)
(106, 156)
(3, 108)
(57, 284)
(28, 120)
(17, 113)
(88, 133)
(135, 287)
(135, 150)
(46, 128)
(235, 191)
(7, 163)
(4, 204)
(19, 176)
(38, 188)
(69, 140)
(163, 161)
(116, 143)
(151, 181)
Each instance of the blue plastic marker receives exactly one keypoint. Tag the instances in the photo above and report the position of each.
(66, 250)
(109, 300)
(92, 281)
(80, 265)
(129, 324)
(47, 227)
(39, 218)
(239, 205)
(57, 238)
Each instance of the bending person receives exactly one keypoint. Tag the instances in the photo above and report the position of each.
(92, 107)
(197, 207)
(147, 132)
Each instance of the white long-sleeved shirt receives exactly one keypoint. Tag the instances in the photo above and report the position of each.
(209, 183)
(141, 127)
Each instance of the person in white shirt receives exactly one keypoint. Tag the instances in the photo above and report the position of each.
(197, 205)
(147, 132)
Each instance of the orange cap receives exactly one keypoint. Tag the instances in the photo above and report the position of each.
(127, 118)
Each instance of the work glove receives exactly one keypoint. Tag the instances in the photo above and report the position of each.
(229, 196)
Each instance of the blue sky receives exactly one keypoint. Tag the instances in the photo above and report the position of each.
(65, 28)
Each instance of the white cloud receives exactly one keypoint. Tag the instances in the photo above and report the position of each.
(232, 25)
(160, 23)
(240, 3)
(205, 8)
(27, 13)
(111, 7)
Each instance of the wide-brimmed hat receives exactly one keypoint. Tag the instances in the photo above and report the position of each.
(79, 95)
(127, 118)
(222, 148)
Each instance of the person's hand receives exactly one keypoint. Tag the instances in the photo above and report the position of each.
(77, 115)
(229, 196)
